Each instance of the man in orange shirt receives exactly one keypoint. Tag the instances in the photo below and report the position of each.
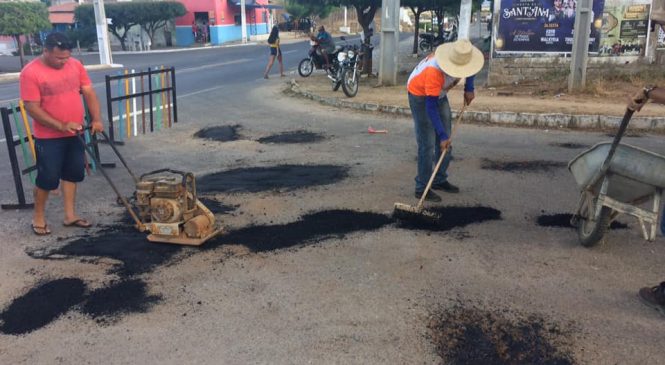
(51, 87)
(428, 86)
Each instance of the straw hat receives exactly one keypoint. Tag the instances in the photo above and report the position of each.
(459, 59)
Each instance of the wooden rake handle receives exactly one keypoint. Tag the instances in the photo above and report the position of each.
(443, 155)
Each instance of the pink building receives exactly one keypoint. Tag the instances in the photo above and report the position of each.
(218, 21)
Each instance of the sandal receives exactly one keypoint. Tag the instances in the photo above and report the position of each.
(41, 230)
(79, 223)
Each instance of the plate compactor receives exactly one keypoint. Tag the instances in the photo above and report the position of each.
(167, 204)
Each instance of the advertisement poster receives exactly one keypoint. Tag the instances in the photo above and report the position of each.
(625, 28)
(530, 26)
(661, 38)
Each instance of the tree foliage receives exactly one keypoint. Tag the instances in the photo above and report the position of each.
(155, 15)
(149, 15)
(300, 10)
(21, 18)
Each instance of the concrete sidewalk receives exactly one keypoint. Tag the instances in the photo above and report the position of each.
(490, 107)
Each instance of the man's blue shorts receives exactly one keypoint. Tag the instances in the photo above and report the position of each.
(59, 159)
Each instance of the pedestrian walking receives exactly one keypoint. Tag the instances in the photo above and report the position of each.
(50, 86)
(275, 52)
(428, 86)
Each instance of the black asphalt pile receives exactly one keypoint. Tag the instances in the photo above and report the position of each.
(469, 335)
(521, 166)
(216, 206)
(109, 303)
(562, 220)
(570, 145)
(123, 243)
(224, 133)
(309, 229)
(281, 177)
(451, 217)
(293, 137)
(41, 305)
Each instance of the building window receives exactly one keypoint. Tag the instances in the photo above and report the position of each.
(237, 19)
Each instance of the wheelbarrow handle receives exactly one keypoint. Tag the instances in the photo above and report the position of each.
(615, 143)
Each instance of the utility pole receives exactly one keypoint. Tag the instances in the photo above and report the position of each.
(389, 42)
(464, 26)
(580, 51)
(102, 33)
(243, 21)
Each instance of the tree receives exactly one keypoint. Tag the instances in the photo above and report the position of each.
(154, 15)
(19, 18)
(305, 10)
(418, 7)
(365, 9)
(123, 16)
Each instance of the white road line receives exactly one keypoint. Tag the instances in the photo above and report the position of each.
(201, 91)
(294, 51)
(203, 67)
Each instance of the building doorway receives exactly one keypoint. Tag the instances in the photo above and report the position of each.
(201, 27)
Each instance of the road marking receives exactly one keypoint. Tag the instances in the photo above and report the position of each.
(203, 67)
(294, 51)
(201, 91)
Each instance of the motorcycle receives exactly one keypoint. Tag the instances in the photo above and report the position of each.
(429, 41)
(351, 67)
(316, 61)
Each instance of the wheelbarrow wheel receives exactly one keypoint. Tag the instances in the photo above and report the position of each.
(591, 232)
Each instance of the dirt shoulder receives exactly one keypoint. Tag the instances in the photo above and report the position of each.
(514, 98)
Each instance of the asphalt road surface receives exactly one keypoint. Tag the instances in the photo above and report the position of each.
(311, 267)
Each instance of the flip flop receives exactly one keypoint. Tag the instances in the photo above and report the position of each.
(41, 230)
(79, 223)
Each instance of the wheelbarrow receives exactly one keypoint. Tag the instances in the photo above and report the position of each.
(617, 178)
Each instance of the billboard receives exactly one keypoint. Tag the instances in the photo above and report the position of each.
(625, 28)
(542, 26)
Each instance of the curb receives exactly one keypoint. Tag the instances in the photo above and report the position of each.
(8, 77)
(518, 119)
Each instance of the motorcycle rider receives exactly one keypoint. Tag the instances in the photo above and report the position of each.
(326, 44)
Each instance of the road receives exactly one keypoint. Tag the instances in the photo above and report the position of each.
(311, 267)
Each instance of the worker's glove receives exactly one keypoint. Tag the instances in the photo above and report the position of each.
(638, 100)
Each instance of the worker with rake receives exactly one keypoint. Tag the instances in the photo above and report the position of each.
(428, 86)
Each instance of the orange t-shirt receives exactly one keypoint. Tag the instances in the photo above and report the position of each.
(428, 79)
(58, 92)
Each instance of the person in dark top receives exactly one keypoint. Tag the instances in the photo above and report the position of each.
(275, 52)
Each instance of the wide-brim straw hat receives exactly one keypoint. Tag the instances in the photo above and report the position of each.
(459, 59)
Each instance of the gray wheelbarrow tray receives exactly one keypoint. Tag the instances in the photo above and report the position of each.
(617, 178)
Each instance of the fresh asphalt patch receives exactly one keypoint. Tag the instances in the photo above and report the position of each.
(467, 334)
(562, 220)
(48, 301)
(281, 177)
(127, 253)
(293, 137)
(521, 166)
(41, 305)
(569, 145)
(224, 133)
(130, 251)
(117, 299)
(451, 217)
(217, 207)
(309, 229)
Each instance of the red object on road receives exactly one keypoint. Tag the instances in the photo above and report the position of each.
(371, 130)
